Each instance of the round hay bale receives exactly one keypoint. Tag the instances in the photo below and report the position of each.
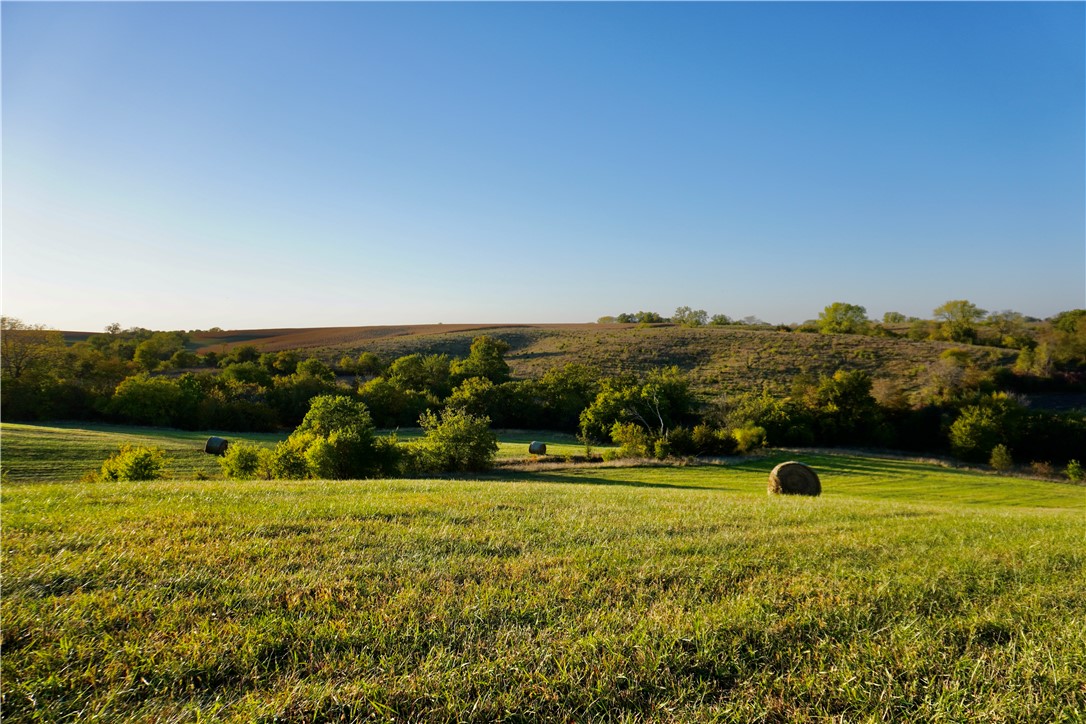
(216, 446)
(792, 478)
(537, 448)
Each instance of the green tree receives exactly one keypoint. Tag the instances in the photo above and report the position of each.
(248, 372)
(456, 441)
(369, 364)
(662, 400)
(486, 359)
(842, 318)
(959, 319)
(314, 367)
(894, 318)
(26, 347)
(687, 317)
(566, 392)
(336, 439)
(158, 348)
(146, 400)
(719, 320)
(475, 396)
(333, 413)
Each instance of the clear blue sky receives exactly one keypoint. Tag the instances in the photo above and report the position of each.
(185, 165)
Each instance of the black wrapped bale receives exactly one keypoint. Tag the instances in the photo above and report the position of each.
(216, 446)
(792, 478)
(537, 448)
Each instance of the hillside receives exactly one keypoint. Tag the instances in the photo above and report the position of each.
(718, 358)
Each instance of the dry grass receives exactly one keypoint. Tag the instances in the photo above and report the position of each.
(717, 358)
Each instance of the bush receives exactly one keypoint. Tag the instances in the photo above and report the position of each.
(455, 442)
(633, 441)
(748, 438)
(1042, 468)
(1001, 458)
(975, 433)
(287, 461)
(134, 462)
(1074, 472)
(245, 461)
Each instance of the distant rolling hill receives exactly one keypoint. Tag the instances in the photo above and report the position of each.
(717, 358)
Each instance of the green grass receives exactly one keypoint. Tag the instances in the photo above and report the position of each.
(907, 592)
(65, 452)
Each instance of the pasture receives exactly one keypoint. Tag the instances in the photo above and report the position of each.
(64, 452)
(907, 592)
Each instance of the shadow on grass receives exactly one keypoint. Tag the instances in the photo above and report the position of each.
(516, 476)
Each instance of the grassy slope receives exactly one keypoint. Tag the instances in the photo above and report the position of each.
(906, 592)
(718, 358)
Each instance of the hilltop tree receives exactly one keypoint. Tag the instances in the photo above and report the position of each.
(959, 319)
(842, 318)
(720, 320)
(688, 317)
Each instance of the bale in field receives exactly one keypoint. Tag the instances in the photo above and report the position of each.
(792, 478)
(537, 448)
(216, 446)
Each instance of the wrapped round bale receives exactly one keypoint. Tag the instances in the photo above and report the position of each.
(792, 478)
(216, 446)
(537, 448)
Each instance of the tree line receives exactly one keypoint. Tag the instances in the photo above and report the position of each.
(1043, 344)
(133, 376)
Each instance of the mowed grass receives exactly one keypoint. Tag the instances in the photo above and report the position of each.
(67, 451)
(907, 592)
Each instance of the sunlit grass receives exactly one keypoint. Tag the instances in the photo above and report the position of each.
(665, 594)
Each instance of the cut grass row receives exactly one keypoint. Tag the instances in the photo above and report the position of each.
(610, 594)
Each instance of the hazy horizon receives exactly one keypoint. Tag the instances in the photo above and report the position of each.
(279, 165)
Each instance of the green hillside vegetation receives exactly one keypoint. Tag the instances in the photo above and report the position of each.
(907, 592)
(717, 358)
(963, 383)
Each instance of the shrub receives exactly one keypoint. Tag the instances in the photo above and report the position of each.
(1074, 472)
(456, 441)
(342, 455)
(748, 438)
(633, 440)
(287, 461)
(134, 462)
(1001, 458)
(1042, 468)
(975, 433)
(245, 461)
(710, 441)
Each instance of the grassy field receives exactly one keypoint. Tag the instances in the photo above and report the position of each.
(907, 592)
(66, 452)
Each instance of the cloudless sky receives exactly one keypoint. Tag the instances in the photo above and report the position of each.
(186, 165)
